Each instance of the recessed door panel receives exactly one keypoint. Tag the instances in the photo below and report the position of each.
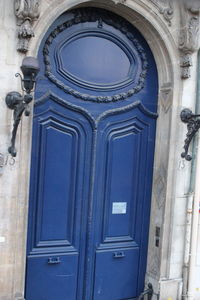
(83, 66)
(92, 160)
(56, 196)
(125, 142)
(121, 182)
(56, 275)
(59, 195)
(116, 274)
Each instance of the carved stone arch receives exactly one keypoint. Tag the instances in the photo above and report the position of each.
(156, 32)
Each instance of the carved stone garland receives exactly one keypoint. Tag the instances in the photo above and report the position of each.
(92, 16)
(26, 11)
(189, 34)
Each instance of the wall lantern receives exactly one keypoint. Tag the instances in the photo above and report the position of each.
(193, 126)
(19, 103)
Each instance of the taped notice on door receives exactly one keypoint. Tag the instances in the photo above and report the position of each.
(119, 208)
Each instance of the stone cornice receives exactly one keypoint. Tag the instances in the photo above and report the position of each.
(26, 11)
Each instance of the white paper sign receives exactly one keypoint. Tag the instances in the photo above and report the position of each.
(2, 239)
(119, 208)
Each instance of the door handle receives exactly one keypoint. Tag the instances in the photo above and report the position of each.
(54, 260)
(119, 254)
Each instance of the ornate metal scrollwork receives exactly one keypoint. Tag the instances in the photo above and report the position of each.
(18, 104)
(193, 126)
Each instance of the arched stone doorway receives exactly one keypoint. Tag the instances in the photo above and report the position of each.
(167, 77)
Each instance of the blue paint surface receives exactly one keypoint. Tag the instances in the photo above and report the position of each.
(88, 155)
(82, 60)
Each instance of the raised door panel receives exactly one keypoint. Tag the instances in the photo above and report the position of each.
(124, 167)
(59, 195)
(83, 67)
(121, 184)
(52, 277)
(116, 274)
(56, 196)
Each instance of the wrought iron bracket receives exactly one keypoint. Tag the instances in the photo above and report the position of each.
(148, 292)
(18, 104)
(192, 126)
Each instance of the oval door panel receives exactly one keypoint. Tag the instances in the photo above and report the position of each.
(95, 57)
(77, 61)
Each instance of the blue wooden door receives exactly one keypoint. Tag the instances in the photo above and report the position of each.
(92, 160)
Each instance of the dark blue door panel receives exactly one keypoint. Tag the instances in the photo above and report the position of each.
(125, 144)
(92, 160)
(116, 274)
(52, 277)
(59, 193)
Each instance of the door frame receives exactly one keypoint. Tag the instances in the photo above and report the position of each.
(162, 45)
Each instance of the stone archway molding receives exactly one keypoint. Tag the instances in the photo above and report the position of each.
(28, 11)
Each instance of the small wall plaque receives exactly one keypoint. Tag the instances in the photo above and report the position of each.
(119, 208)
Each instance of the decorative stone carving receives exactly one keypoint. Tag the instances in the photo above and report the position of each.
(185, 63)
(1, 162)
(158, 206)
(160, 184)
(154, 263)
(26, 11)
(166, 96)
(189, 34)
(165, 8)
(119, 1)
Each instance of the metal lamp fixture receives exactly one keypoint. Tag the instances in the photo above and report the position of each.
(20, 103)
(193, 126)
